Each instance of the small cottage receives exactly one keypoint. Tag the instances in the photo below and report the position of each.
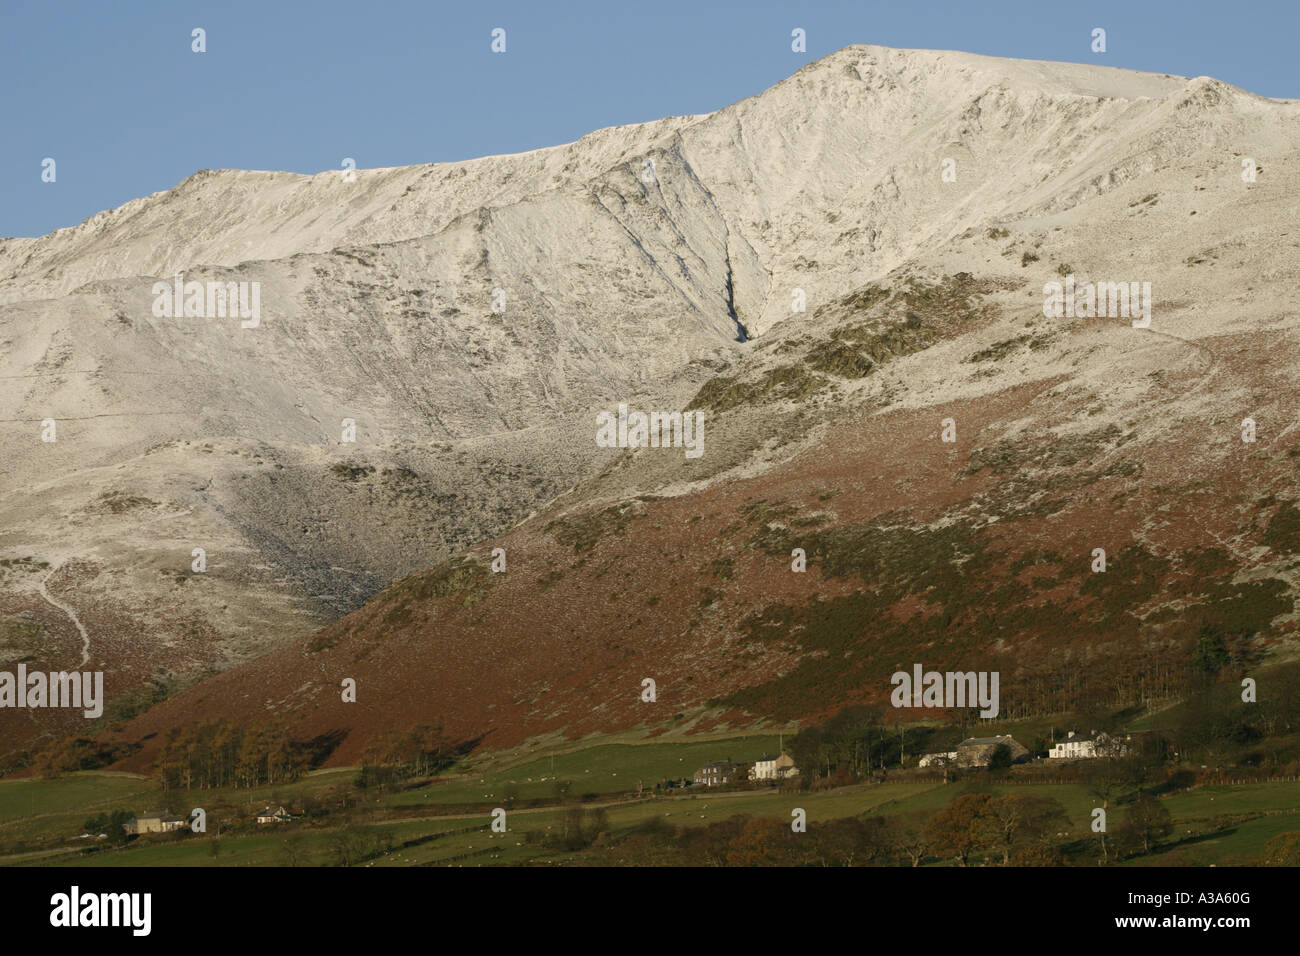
(274, 815)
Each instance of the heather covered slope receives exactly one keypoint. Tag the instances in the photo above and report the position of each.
(973, 555)
(923, 296)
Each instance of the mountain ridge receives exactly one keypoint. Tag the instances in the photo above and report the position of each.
(472, 423)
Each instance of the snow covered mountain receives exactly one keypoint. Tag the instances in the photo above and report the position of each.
(471, 318)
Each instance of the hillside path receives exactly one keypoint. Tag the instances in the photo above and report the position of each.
(85, 635)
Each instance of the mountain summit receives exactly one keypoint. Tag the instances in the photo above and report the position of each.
(827, 271)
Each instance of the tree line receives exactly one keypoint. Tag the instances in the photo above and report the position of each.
(421, 751)
(217, 753)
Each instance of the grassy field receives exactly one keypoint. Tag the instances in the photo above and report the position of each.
(21, 799)
(1234, 799)
(601, 769)
(39, 810)
(35, 810)
(41, 818)
(1236, 844)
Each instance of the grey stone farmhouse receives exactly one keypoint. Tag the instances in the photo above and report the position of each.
(975, 752)
(154, 823)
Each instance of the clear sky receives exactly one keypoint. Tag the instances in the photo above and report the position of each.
(113, 93)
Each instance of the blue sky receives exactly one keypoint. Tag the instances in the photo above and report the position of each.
(114, 94)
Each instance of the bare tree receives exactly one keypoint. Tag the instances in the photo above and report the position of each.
(910, 838)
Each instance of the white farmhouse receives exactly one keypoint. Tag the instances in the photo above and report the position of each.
(1079, 747)
(776, 767)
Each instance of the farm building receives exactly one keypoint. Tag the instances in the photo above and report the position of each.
(975, 752)
(716, 774)
(1079, 746)
(154, 823)
(774, 767)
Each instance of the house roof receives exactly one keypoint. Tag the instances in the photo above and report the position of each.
(1076, 739)
(985, 741)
